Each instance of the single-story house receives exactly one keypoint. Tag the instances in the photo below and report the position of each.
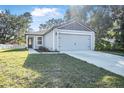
(68, 36)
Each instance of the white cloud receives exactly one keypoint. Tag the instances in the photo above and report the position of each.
(45, 12)
(1, 11)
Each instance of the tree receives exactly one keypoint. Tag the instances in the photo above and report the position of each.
(72, 12)
(98, 17)
(118, 20)
(13, 27)
(7, 28)
(101, 21)
(77, 12)
(108, 21)
(50, 23)
(24, 21)
(42, 26)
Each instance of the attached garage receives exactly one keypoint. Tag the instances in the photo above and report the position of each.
(72, 35)
(74, 42)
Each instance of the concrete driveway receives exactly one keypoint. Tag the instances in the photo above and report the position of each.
(107, 61)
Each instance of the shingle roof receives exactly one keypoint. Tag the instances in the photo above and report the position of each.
(36, 33)
(69, 25)
(75, 26)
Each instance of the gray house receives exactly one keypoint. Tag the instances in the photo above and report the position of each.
(68, 36)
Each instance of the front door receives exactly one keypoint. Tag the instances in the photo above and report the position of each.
(30, 42)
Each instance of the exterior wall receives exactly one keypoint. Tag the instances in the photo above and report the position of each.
(59, 31)
(93, 41)
(48, 40)
(51, 39)
(35, 45)
(56, 42)
(26, 41)
(34, 42)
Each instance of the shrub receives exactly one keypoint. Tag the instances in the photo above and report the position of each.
(43, 49)
(117, 46)
(103, 45)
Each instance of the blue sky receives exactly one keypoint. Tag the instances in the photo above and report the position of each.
(40, 13)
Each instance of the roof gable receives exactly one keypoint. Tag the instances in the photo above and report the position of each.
(69, 25)
(75, 25)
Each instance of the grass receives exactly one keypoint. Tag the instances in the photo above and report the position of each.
(18, 69)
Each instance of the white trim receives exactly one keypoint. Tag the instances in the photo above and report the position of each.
(76, 22)
(37, 41)
(76, 33)
(91, 34)
(84, 26)
(58, 43)
(64, 24)
(93, 41)
(57, 40)
(53, 40)
(26, 41)
(31, 36)
(34, 43)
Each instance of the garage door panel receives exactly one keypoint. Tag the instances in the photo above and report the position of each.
(72, 42)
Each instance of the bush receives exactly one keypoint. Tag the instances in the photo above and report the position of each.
(117, 46)
(43, 49)
(103, 45)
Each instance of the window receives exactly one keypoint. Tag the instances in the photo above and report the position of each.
(39, 40)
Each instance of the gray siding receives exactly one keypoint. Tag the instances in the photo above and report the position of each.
(48, 40)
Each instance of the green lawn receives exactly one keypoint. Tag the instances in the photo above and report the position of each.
(18, 69)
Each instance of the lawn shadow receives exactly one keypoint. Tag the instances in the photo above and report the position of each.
(14, 50)
(48, 73)
(51, 70)
(67, 72)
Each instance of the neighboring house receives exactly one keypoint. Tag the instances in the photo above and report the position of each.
(69, 36)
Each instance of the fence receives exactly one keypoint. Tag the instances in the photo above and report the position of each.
(11, 46)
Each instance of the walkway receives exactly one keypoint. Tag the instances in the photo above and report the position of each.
(32, 51)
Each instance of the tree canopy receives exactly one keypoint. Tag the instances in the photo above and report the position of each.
(108, 21)
(50, 23)
(13, 27)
